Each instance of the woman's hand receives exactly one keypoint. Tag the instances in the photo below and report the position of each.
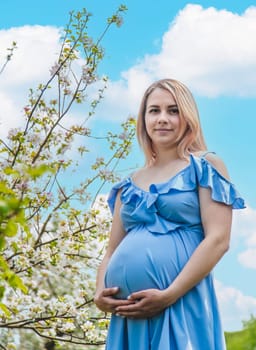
(106, 301)
(146, 303)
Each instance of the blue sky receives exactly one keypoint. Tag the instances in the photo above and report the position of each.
(210, 45)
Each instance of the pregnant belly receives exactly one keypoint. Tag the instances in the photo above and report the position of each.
(144, 260)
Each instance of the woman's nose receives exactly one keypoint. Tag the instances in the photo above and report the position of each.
(162, 117)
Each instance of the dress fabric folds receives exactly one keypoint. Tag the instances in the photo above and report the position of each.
(164, 228)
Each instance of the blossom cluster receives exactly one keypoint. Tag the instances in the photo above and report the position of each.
(60, 276)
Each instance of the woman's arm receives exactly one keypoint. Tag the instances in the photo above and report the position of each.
(216, 220)
(104, 297)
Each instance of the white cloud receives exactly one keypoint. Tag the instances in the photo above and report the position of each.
(247, 258)
(211, 50)
(235, 307)
(244, 223)
(37, 49)
(8, 112)
(244, 234)
(251, 241)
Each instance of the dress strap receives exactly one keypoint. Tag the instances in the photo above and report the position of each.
(205, 154)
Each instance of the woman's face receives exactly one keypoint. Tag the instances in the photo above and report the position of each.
(162, 119)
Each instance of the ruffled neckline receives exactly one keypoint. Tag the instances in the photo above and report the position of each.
(154, 186)
(174, 180)
(199, 172)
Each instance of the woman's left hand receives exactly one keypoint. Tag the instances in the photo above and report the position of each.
(148, 303)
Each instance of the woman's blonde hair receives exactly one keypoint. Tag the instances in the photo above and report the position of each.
(190, 138)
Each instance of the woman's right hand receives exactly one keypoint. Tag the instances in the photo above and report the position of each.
(106, 301)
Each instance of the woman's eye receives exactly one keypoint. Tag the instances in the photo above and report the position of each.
(173, 111)
(153, 110)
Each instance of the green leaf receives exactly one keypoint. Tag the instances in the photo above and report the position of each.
(3, 263)
(16, 282)
(11, 228)
(4, 207)
(2, 243)
(11, 171)
(2, 289)
(36, 172)
(5, 310)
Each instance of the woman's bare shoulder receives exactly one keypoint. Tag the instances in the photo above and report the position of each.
(215, 160)
(139, 173)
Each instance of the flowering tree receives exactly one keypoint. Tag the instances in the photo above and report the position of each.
(8, 57)
(52, 233)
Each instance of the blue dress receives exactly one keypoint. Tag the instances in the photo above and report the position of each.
(163, 228)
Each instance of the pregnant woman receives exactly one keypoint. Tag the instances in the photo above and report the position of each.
(171, 226)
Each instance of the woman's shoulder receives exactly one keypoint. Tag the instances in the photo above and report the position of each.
(137, 178)
(139, 173)
(214, 160)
